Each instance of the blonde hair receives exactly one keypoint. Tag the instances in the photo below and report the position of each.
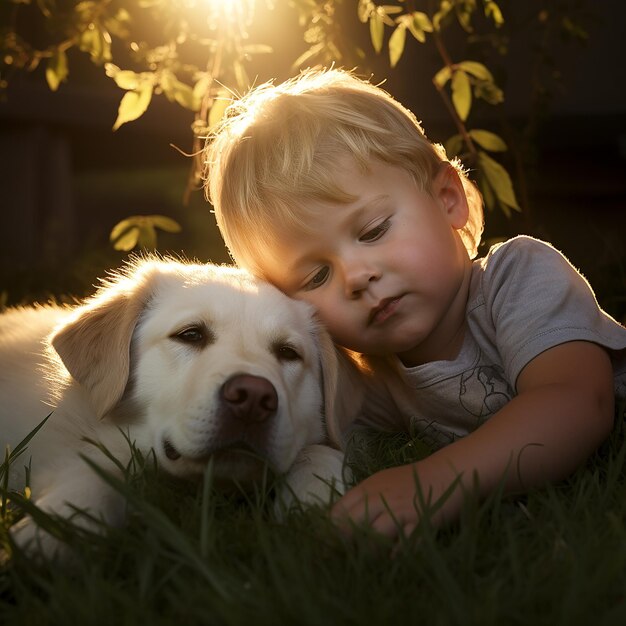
(279, 147)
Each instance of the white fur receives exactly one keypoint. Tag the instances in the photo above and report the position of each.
(116, 362)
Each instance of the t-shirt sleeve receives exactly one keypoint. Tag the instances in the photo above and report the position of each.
(538, 300)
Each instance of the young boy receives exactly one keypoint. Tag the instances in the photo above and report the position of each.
(327, 187)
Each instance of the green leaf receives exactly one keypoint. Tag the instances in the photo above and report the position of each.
(464, 12)
(396, 45)
(499, 180)
(56, 69)
(117, 24)
(574, 30)
(200, 89)
(444, 10)
(91, 42)
(488, 91)
(127, 240)
(311, 53)
(476, 69)
(390, 9)
(454, 145)
(422, 21)
(417, 33)
(377, 31)
(177, 91)
(147, 238)
(442, 76)
(97, 42)
(134, 104)
(106, 46)
(126, 79)
(461, 94)
(120, 228)
(489, 197)
(488, 140)
(167, 80)
(219, 106)
(164, 223)
(385, 10)
(183, 94)
(364, 10)
(140, 230)
(493, 11)
(419, 24)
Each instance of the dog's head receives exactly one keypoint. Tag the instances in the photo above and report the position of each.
(214, 363)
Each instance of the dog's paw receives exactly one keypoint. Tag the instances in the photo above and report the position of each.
(317, 477)
(92, 509)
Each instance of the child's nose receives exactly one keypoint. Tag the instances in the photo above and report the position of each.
(358, 277)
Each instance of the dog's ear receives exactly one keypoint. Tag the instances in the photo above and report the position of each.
(94, 345)
(343, 388)
(330, 369)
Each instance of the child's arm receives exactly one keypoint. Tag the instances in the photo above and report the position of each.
(563, 411)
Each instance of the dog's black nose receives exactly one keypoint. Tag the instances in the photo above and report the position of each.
(250, 398)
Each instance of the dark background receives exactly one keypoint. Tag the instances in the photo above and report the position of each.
(67, 179)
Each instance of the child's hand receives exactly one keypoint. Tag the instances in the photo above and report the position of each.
(389, 501)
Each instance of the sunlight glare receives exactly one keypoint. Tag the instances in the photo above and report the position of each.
(230, 11)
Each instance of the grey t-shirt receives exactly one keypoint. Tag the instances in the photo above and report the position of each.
(525, 297)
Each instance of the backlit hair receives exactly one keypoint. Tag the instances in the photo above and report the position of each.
(279, 147)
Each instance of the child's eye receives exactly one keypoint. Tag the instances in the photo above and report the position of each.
(318, 279)
(376, 233)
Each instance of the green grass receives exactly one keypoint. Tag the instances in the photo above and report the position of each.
(191, 555)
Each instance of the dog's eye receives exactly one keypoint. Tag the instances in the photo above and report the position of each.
(287, 353)
(192, 334)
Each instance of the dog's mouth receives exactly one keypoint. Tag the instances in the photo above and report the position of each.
(170, 451)
(236, 451)
(235, 464)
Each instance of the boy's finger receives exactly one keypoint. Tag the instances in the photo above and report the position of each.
(342, 511)
(348, 512)
(342, 520)
(385, 525)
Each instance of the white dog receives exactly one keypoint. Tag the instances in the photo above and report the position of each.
(192, 361)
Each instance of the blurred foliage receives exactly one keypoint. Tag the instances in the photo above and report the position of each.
(196, 53)
(141, 231)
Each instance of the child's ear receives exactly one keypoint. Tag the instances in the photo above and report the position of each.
(449, 190)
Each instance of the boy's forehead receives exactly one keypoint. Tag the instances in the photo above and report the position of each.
(292, 230)
(307, 216)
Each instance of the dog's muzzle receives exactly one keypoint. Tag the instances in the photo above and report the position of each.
(246, 406)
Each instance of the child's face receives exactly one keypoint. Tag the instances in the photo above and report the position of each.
(387, 273)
